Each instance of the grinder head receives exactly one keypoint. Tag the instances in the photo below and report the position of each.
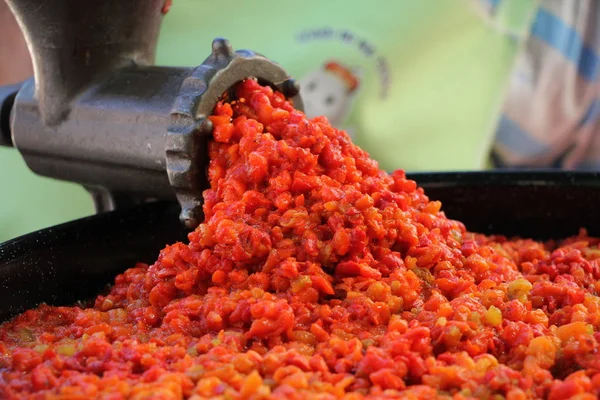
(100, 114)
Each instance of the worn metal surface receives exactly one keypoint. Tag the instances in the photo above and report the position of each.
(99, 114)
(114, 136)
(73, 43)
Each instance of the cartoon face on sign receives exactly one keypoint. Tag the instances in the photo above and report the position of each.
(329, 91)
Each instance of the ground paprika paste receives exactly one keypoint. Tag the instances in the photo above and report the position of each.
(315, 275)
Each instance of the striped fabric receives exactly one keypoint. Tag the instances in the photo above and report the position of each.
(551, 117)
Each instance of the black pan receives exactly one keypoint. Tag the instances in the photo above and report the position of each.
(76, 260)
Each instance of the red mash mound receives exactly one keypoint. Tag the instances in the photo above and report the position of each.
(315, 275)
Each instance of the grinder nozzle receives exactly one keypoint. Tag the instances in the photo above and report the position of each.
(187, 140)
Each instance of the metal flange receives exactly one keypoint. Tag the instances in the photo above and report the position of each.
(190, 129)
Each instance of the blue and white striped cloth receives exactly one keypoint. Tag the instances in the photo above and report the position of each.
(551, 117)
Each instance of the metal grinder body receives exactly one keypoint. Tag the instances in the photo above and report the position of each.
(99, 113)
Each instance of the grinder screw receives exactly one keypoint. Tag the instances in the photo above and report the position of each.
(221, 48)
(290, 88)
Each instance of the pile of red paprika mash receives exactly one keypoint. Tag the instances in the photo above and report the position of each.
(316, 275)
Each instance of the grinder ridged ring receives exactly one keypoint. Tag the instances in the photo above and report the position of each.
(190, 129)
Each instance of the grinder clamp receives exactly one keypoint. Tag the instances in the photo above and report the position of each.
(100, 114)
